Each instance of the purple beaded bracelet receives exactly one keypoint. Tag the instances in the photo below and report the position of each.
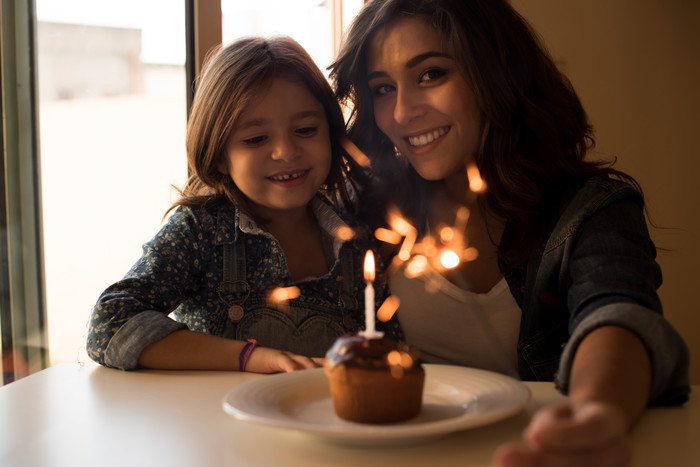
(245, 353)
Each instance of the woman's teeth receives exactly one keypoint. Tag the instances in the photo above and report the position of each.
(427, 138)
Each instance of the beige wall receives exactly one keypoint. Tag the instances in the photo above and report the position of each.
(636, 66)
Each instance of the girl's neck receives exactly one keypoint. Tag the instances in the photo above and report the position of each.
(299, 235)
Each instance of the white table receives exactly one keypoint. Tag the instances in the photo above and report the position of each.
(75, 415)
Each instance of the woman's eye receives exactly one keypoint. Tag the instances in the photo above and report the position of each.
(255, 140)
(432, 74)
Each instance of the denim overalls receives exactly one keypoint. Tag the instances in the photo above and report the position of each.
(304, 325)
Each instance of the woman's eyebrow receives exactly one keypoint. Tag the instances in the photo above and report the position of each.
(412, 62)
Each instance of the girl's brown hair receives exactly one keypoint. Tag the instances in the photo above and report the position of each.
(230, 77)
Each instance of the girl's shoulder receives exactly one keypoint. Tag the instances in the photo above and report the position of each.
(216, 219)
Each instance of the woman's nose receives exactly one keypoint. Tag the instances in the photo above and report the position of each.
(408, 106)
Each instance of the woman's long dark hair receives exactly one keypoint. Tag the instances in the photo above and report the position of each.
(230, 77)
(535, 132)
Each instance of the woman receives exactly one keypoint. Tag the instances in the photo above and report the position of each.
(557, 278)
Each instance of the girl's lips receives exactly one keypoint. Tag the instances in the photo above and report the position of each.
(290, 178)
(419, 141)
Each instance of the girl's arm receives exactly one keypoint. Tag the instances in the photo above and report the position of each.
(609, 390)
(191, 350)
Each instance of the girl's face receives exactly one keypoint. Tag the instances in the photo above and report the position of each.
(421, 100)
(279, 151)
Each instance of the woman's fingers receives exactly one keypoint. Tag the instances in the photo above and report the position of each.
(571, 435)
(616, 455)
(570, 427)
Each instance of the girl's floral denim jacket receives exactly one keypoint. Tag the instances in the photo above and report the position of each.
(180, 282)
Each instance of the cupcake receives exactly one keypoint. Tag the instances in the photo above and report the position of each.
(374, 380)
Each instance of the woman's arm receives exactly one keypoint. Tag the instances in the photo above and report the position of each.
(191, 350)
(608, 392)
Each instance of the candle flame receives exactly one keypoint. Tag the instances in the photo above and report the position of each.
(388, 308)
(369, 266)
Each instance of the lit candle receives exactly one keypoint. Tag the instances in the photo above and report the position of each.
(370, 332)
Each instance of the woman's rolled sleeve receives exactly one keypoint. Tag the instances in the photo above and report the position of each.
(667, 351)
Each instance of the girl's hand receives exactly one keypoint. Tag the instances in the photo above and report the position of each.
(588, 434)
(266, 360)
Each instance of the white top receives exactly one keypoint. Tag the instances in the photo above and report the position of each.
(451, 325)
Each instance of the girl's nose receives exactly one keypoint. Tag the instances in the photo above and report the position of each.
(285, 149)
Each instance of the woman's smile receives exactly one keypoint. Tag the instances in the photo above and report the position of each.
(420, 140)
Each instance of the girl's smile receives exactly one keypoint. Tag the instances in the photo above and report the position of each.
(279, 152)
(290, 179)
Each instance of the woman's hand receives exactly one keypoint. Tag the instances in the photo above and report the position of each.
(266, 360)
(589, 434)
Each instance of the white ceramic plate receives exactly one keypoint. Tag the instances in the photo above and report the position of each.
(455, 398)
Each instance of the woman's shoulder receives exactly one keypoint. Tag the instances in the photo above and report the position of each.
(598, 191)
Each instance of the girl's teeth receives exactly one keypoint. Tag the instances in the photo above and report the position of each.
(286, 177)
(426, 138)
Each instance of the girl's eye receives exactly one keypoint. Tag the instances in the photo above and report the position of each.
(382, 89)
(432, 74)
(307, 130)
(255, 140)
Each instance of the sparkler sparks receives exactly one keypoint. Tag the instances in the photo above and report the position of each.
(355, 152)
(388, 308)
(279, 296)
(476, 183)
(344, 233)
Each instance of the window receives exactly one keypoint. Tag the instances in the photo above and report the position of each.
(111, 93)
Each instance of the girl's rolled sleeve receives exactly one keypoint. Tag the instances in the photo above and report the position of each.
(136, 334)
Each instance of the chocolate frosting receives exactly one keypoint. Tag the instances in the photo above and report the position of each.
(355, 350)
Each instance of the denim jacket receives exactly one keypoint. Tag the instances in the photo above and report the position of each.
(597, 267)
(211, 270)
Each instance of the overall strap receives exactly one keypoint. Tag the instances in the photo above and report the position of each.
(347, 279)
(234, 267)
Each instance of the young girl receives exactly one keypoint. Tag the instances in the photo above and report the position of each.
(262, 140)
(469, 125)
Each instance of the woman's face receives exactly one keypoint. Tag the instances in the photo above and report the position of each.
(279, 152)
(421, 100)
